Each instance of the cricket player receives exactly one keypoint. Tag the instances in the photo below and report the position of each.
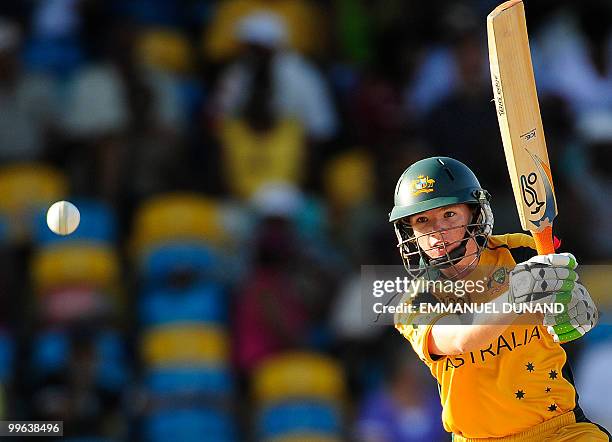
(503, 376)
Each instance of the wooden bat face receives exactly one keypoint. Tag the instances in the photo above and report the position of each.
(518, 113)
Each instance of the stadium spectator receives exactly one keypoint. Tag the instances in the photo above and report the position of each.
(291, 86)
(399, 410)
(27, 102)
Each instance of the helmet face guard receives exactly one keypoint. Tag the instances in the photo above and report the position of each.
(418, 263)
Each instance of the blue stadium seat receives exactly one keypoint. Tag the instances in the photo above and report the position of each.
(57, 56)
(151, 12)
(294, 417)
(51, 349)
(113, 371)
(97, 224)
(49, 352)
(189, 425)
(4, 229)
(7, 353)
(213, 381)
(173, 257)
(200, 303)
(88, 439)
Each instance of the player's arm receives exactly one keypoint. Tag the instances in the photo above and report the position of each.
(542, 279)
(452, 336)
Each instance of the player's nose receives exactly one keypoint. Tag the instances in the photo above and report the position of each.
(437, 226)
(435, 236)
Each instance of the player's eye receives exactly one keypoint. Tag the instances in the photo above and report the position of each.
(420, 220)
(449, 214)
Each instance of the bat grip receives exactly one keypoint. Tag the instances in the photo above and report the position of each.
(544, 241)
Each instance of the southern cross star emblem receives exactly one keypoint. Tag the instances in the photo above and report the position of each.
(547, 390)
(520, 394)
(530, 367)
(552, 407)
(552, 374)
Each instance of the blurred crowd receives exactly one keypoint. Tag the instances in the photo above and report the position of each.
(234, 163)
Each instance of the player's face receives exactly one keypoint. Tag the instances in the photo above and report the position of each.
(440, 230)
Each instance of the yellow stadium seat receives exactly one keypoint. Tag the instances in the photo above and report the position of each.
(177, 216)
(349, 179)
(94, 265)
(165, 49)
(299, 375)
(25, 189)
(185, 344)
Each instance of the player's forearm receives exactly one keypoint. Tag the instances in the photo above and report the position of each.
(462, 334)
(472, 337)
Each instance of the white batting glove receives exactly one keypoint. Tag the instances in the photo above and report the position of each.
(544, 279)
(579, 317)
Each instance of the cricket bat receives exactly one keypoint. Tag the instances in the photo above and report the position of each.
(520, 123)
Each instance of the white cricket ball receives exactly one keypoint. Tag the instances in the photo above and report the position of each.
(63, 218)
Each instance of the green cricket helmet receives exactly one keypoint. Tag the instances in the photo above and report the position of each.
(430, 184)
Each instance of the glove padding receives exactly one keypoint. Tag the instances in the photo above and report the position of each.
(579, 317)
(543, 279)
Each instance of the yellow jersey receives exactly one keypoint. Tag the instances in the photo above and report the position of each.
(520, 379)
(253, 159)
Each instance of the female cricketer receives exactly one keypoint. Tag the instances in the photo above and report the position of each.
(502, 376)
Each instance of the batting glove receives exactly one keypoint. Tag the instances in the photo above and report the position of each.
(544, 279)
(579, 317)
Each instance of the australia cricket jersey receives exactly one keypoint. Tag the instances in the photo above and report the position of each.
(518, 380)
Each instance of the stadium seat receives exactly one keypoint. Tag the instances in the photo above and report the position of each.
(294, 418)
(3, 404)
(7, 354)
(25, 189)
(4, 229)
(189, 425)
(70, 264)
(185, 344)
(205, 303)
(298, 375)
(306, 437)
(211, 381)
(88, 439)
(74, 304)
(165, 49)
(98, 224)
(56, 56)
(169, 258)
(151, 12)
(51, 350)
(113, 369)
(176, 217)
(349, 179)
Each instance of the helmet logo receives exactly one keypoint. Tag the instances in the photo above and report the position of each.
(423, 184)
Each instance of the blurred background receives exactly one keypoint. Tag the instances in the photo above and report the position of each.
(234, 164)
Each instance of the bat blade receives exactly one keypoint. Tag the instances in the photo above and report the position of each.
(520, 122)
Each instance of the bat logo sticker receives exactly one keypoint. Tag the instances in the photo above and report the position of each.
(530, 195)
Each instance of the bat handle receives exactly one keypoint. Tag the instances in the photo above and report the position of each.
(544, 241)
